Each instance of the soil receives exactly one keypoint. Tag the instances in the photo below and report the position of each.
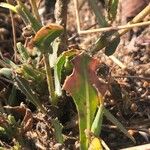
(130, 104)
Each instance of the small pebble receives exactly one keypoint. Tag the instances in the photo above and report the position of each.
(133, 107)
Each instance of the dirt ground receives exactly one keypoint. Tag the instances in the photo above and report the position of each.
(130, 84)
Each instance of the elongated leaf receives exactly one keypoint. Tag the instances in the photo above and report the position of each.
(112, 9)
(46, 35)
(23, 52)
(28, 17)
(105, 39)
(97, 123)
(26, 89)
(81, 86)
(118, 124)
(8, 6)
(31, 73)
(58, 69)
(10, 63)
(22, 15)
(98, 13)
(58, 130)
(12, 100)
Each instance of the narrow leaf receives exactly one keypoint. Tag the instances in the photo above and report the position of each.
(98, 13)
(112, 9)
(23, 52)
(58, 130)
(12, 100)
(27, 15)
(26, 89)
(10, 63)
(106, 41)
(97, 123)
(118, 124)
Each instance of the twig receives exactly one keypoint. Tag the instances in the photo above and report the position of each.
(77, 14)
(117, 61)
(61, 7)
(128, 26)
(77, 34)
(123, 28)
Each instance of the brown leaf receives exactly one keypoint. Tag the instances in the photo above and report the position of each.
(27, 122)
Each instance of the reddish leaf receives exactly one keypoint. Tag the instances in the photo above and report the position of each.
(85, 87)
(72, 82)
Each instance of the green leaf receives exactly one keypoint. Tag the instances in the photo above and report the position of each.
(112, 9)
(12, 100)
(97, 123)
(7, 72)
(58, 130)
(83, 85)
(23, 52)
(31, 73)
(98, 13)
(9, 6)
(58, 67)
(118, 124)
(112, 46)
(106, 41)
(46, 35)
(27, 90)
(10, 63)
(27, 16)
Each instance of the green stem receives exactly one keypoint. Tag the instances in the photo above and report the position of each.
(50, 83)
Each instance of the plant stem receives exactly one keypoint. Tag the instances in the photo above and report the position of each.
(50, 83)
(35, 10)
(13, 32)
(61, 7)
